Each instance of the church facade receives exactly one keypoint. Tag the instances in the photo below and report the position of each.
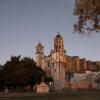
(58, 64)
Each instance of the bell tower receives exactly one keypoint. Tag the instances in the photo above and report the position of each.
(58, 43)
(58, 63)
(40, 55)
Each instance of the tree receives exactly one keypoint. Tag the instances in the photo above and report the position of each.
(88, 13)
(1, 77)
(21, 72)
(10, 71)
(1, 67)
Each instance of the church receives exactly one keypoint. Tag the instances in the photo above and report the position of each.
(58, 64)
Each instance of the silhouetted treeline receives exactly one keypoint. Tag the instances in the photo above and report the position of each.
(18, 73)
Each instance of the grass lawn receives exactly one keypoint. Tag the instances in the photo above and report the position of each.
(79, 95)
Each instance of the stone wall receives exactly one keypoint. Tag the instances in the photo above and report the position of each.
(84, 81)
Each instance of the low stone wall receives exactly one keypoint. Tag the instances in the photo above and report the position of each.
(83, 81)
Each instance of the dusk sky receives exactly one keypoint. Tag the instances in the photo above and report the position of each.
(23, 23)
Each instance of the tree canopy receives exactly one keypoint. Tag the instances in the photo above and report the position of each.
(88, 14)
(20, 72)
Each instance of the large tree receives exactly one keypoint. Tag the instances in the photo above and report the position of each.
(21, 72)
(88, 14)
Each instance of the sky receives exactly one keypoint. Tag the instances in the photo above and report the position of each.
(23, 23)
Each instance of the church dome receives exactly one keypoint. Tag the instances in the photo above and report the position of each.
(39, 45)
(58, 35)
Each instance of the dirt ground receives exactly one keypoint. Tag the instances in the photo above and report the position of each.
(65, 95)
